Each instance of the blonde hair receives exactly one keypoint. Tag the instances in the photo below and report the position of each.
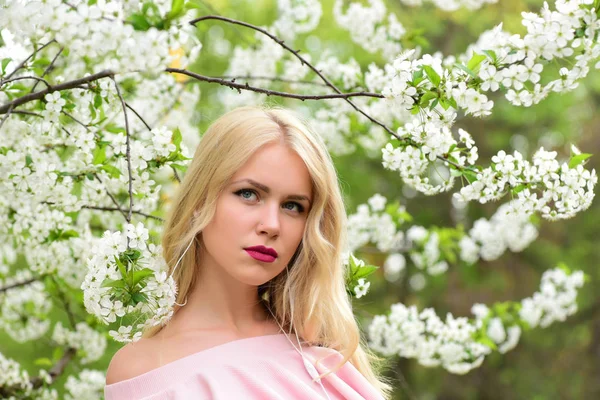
(311, 295)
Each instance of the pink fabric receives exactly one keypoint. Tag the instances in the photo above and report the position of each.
(262, 367)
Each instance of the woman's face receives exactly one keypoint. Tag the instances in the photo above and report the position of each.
(265, 203)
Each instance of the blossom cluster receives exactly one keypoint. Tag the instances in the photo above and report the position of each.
(99, 35)
(127, 279)
(380, 223)
(24, 310)
(459, 344)
(371, 26)
(452, 5)
(489, 239)
(564, 189)
(88, 385)
(436, 88)
(89, 343)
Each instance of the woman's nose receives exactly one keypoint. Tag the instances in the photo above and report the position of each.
(269, 220)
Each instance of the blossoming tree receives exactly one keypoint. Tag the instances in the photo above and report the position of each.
(96, 106)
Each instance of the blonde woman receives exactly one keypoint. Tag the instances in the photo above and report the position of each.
(254, 241)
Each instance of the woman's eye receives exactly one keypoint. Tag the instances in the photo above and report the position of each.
(246, 193)
(299, 208)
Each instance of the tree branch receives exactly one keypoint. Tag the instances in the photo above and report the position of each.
(25, 61)
(18, 284)
(316, 71)
(20, 78)
(273, 79)
(128, 153)
(48, 68)
(118, 209)
(63, 86)
(6, 116)
(139, 116)
(116, 203)
(57, 369)
(240, 86)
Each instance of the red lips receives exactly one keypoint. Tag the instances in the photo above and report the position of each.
(262, 249)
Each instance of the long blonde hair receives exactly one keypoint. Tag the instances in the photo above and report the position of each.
(311, 295)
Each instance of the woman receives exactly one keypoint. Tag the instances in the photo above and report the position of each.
(254, 242)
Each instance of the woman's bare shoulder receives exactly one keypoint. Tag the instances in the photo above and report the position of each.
(131, 360)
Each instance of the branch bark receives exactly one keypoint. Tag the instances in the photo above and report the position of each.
(245, 86)
(63, 86)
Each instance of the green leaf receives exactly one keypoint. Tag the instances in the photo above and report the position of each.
(179, 167)
(5, 62)
(97, 101)
(99, 155)
(176, 9)
(519, 188)
(139, 298)
(475, 61)
(432, 75)
(139, 22)
(43, 362)
(491, 54)
(435, 103)
(578, 159)
(112, 170)
(176, 138)
(58, 353)
(417, 77)
(470, 175)
(121, 267)
(487, 342)
(113, 283)
(141, 274)
(114, 129)
(452, 102)
(426, 98)
(464, 68)
(365, 271)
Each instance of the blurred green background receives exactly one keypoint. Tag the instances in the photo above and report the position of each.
(559, 362)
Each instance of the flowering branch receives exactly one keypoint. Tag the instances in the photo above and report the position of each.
(48, 68)
(302, 60)
(18, 284)
(245, 86)
(128, 154)
(118, 209)
(22, 64)
(63, 86)
(274, 79)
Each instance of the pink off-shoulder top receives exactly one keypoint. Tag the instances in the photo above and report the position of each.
(262, 367)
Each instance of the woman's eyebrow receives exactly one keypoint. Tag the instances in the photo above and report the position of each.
(266, 189)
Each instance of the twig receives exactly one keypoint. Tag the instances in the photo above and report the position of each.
(76, 120)
(316, 71)
(118, 209)
(57, 369)
(6, 116)
(17, 284)
(139, 116)
(128, 153)
(21, 78)
(176, 174)
(48, 68)
(63, 86)
(66, 304)
(112, 198)
(28, 113)
(24, 61)
(240, 86)
(298, 56)
(273, 79)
